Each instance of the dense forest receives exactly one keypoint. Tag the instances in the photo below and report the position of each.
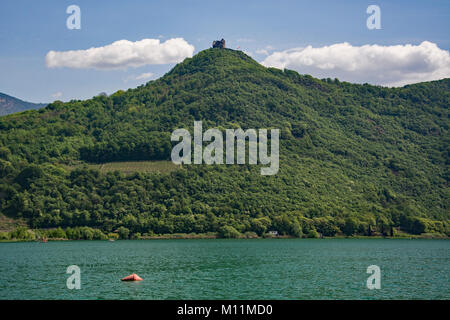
(354, 159)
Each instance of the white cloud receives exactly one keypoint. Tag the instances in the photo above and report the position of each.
(122, 54)
(395, 65)
(262, 51)
(57, 95)
(265, 50)
(142, 76)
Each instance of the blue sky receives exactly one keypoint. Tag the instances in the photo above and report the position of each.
(30, 29)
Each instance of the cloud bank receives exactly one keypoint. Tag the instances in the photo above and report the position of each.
(384, 65)
(122, 54)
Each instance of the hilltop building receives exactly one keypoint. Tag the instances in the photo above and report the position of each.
(219, 44)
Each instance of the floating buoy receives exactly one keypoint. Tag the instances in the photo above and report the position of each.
(132, 277)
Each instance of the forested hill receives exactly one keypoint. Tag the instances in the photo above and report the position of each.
(10, 104)
(353, 158)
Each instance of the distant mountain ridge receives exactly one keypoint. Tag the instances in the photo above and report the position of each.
(9, 104)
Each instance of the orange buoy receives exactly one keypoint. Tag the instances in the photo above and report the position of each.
(132, 277)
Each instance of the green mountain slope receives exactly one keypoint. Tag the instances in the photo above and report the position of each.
(353, 158)
(10, 105)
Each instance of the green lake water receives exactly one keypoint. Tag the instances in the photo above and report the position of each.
(227, 269)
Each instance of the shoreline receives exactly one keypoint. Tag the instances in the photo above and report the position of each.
(211, 237)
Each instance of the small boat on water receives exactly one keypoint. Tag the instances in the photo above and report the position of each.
(44, 239)
(112, 240)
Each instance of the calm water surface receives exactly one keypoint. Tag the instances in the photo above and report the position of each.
(227, 269)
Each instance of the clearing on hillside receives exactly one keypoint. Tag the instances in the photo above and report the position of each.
(130, 167)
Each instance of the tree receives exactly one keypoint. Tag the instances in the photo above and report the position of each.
(296, 229)
(313, 234)
(260, 225)
(418, 226)
(58, 233)
(229, 232)
(28, 175)
(5, 153)
(350, 226)
(123, 232)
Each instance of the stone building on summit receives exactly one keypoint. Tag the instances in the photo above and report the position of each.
(219, 44)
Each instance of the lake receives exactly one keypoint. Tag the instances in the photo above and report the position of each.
(227, 269)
